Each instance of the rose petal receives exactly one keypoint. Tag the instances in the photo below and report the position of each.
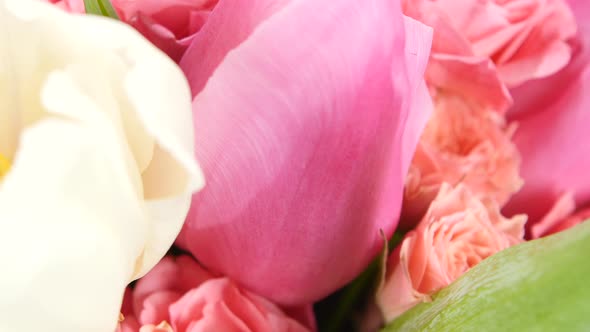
(474, 78)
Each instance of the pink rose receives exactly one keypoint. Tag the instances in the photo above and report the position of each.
(171, 25)
(179, 296)
(307, 114)
(554, 117)
(462, 143)
(526, 39)
(562, 216)
(473, 79)
(72, 6)
(457, 232)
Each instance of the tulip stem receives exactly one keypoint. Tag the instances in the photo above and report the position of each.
(351, 297)
(100, 8)
(341, 306)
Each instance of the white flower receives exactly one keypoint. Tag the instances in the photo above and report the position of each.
(97, 126)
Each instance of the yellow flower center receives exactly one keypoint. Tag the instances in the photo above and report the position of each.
(4, 166)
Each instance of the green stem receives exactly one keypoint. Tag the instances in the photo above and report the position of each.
(357, 293)
(351, 297)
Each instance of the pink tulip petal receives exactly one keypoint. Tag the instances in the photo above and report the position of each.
(223, 32)
(301, 136)
(418, 43)
(554, 114)
(581, 10)
(555, 154)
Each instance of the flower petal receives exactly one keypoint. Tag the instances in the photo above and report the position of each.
(78, 203)
(222, 33)
(418, 40)
(306, 146)
(66, 230)
(167, 197)
(554, 159)
(533, 96)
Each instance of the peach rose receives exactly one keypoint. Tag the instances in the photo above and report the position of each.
(457, 233)
(179, 295)
(526, 39)
(461, 144)
(563, 215)
(474, 79)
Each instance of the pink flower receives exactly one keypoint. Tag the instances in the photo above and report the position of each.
(526, 39)
(466, 140)
(562, 216)
(72, 6)
(462, 143)
(307, 114)
(457, 232)
(475, 80)
(171, 25)
(554, 117)
(179, 296)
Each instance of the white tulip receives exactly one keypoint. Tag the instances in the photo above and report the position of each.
(96, 124)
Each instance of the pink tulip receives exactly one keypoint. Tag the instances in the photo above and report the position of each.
(553, 135)
(307, 114)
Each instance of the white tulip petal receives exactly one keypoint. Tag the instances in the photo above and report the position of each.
(173, 134)
(172, 156)
(98, 125)
(64, 263)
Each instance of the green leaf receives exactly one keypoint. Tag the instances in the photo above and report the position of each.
(541, 285)
(101, 8)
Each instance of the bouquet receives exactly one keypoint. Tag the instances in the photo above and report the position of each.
(294, 165)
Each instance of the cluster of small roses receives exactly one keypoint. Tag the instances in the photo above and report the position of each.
(467, 164)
